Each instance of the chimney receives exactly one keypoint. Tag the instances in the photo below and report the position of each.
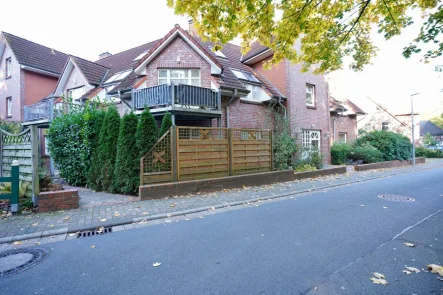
(191, 28)
(104, 55)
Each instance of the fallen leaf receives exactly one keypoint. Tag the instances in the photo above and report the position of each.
(34, 224)
(379, 275)
(145, 213)
(212, 209)
(17, 243)
(72, 234)
(407, 272)
(362, 205)
(434, 268)
(103, 220)
(409, 245)
(100, 230)
(379, 281)
(440, 278)
(37, 243)
(51, 225)
(116, 214)
(168, 220)
(93, 246)
(67, 218)
(172, 205)
(143, 222)
(413, 269)
(385, 207)
(156, 264)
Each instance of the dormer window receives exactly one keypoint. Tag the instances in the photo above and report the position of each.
(8, 68)
(139, 57)
(245, 75)
(118, 77)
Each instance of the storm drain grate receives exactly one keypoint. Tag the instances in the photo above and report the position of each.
(95, 232)
(396, 198)
(14, 261)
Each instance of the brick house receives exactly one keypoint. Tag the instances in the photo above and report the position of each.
(29, 71)
(344, 114)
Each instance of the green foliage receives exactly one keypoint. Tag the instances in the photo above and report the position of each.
(147, 132)
(108, 149)
(429, 140)
(392, 145)
(437, 121)
(10, 126)
(305, 168)
(284, 145)
(71, 142)
(127, 164)
(96, 176)
(365, 154)
(93, 179)
(166, 124)
(428, 153)
(329, 31)
(340, 153)
(313, 158)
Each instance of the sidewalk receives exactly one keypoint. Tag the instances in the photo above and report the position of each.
(124, 211)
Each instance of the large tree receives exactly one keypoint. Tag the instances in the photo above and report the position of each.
(329, 30)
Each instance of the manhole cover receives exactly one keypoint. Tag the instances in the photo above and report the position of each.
(396, 198)
(14, 261)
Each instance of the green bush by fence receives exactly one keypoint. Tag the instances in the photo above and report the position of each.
(365, 154)
(340, 153)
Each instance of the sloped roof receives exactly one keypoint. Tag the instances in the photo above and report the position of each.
(34, 55)
(256, 48)
(429, 127)
(93, 72)
(346, 106)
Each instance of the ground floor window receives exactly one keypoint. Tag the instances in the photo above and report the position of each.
(342, 137)
(9, 106)
(311, 140)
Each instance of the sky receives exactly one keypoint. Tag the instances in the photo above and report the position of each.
(88, 28)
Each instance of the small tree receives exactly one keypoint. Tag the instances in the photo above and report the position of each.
(127, 162)
(108, 151)
(147, 132)
(429, 140)
(166, 124)
(96, 141)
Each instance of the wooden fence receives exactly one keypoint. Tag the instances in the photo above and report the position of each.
(190, 153)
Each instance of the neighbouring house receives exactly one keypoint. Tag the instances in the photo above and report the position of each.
(435, 131)
(29, 71)
(182, 75)
(344, 114)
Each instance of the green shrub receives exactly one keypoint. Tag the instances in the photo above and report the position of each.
(108, 149)
(147, 131)
(393, 146)
(311, 158)
(127, 164)
(166, 124)
(365, 154)
(305, 168)
(93, 179)
(428, 153)
(339, 153)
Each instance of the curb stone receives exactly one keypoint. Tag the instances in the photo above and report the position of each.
(127, 222)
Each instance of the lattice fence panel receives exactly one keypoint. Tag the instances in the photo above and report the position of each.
(157, 163)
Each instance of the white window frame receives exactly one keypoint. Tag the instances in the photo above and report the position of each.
(8, 68)
(46, 145)
(171, 80)
(9, 106)
(309, 136)
(70, 91)
(345, 137)
(312, 93)
(255, 92)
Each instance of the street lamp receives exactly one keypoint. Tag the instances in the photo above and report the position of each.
(413, 127)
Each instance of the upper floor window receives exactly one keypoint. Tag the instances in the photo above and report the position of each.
(179, 76)
(9, 107)
(118, 76)
(310, 95)
(384, 125)
(8, 67)
(244, 75)
(255, 92)
(76, 93)
(342, 137)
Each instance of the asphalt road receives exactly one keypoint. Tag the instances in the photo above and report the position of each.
(318, 243)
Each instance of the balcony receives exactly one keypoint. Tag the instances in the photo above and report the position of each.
(46, 110)
(179, 98)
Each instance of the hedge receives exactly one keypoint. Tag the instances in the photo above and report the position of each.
(147, 132)
(166, 124)
(339, 153)
(392, 145)
(428, 153)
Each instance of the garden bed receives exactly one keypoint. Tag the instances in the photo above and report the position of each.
(387, 164)
(158, 191)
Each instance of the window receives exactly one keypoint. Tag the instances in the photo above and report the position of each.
(310, 95)
(9, 106)
(342, 137)
(118, 76)
(384, 125)
(46, 146)
(244, 75)
(76, 93)
(140, 56)
(8, 67)
(255, 92)
(172, 76)
(311, 140)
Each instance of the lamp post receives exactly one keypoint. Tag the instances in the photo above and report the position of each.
(413, 127)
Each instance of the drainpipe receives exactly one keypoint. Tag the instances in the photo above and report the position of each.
(334, 130)
(284, 109)
(227, 107)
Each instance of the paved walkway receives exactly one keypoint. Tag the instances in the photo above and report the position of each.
(123, 210)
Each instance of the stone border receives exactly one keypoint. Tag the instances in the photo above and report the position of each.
(162, 190)
(388, 164)
(58, 200)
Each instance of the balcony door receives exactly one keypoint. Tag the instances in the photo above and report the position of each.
(179, 76)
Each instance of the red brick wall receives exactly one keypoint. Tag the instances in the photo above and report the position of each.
(38, 86)
(190, 59)
(344, 124)
(276, 75)
(59, 200)
(246, 115)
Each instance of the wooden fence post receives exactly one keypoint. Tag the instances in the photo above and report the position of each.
(174, 162)
(34, 152)
(14, 186)
(230, 152)
(272, 149)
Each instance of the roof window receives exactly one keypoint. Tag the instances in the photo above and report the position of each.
(118, 76)
(244, 75)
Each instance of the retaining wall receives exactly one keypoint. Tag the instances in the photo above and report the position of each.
(388, 164)
(58, 200)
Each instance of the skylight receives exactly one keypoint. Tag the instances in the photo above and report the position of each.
(139, 56)
(118, 76)
(244, 75)
(220, 54)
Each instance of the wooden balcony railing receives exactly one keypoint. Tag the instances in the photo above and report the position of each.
(176, 95)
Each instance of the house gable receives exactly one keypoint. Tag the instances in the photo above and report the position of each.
(71, 78)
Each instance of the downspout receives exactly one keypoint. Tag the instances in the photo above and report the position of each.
(284, 109)
(227, 107)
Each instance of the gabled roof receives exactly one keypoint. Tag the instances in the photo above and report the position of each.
(346, 107)
(140, 66)
(429, 127)
(93, 72)
(256, 49)
(37, 56)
